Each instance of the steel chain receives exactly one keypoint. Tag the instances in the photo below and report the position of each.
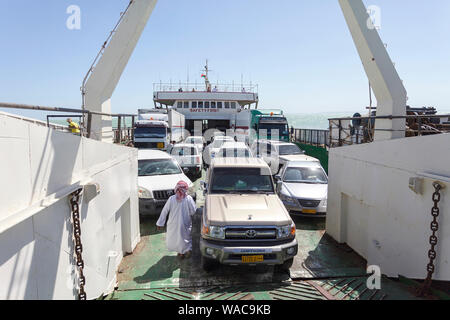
(78, 247)
(425, 289)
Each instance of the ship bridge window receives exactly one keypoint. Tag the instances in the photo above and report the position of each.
(186, 104)
(233, 105)
(200, 104)
(227, 105)
(194, 104)
(179, 104)
(213, 105)
(219, 105)
(206, 104)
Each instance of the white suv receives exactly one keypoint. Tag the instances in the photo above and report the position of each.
(158, 174)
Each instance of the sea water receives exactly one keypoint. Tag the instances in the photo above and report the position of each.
(296, 120)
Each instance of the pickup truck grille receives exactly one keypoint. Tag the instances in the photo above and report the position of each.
(250, 233)
(309, 203)
(162, 194)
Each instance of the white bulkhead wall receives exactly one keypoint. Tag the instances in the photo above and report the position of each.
(36, 248)
(373, 210)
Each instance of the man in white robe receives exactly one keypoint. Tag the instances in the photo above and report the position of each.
(180, 207)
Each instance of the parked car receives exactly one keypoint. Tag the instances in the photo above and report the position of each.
(303, 188)
(158, 174)
(198, 141)
(189, 158)
(278, 153)
(234, 150)
(213, 148)
(244, 220)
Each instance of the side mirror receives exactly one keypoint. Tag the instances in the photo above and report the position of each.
(278, 178)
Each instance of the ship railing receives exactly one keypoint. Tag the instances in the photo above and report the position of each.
(313, 137)
(200, 87)
(358, 130)
(122, 130)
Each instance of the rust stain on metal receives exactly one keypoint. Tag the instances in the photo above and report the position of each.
(324, 292)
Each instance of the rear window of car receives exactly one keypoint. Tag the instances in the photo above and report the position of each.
(184, 151)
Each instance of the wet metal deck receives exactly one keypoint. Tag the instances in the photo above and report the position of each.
(322, 269)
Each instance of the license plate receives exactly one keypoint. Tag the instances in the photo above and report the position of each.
(160, 145)
(252, 259)
(310, 211)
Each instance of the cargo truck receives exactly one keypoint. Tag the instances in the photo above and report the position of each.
(158, 129)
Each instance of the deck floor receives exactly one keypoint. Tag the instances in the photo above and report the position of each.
(322, 269)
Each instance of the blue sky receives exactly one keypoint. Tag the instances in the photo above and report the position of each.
(300, 52)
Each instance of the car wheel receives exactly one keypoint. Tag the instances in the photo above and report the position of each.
(208, 264)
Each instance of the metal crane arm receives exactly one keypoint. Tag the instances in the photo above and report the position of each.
(386, 83)
(103, 77)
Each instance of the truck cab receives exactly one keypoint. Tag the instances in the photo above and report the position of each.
(244, 220)
(270, 125)
(158, 129)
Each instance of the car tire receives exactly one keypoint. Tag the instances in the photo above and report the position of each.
(208, 264)
(286, 265)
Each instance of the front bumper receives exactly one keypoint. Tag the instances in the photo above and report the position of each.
(297, 209)
(149, 207)
(232, 255)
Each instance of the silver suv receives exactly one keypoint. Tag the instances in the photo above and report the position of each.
(244, 221)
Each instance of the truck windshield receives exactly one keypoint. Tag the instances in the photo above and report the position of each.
(150, 132)
(289, 149)
(305, 175)
(241, 180)
(157, 167)
(273, 127)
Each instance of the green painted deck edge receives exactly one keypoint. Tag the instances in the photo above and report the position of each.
(316, 152)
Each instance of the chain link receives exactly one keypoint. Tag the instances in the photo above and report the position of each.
(434, 226)
(75, 208)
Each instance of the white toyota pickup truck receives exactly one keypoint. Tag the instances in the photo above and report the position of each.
(244, 221)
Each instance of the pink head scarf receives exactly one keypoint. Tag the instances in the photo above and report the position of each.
(181, 190)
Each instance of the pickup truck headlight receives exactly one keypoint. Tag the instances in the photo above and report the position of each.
(286, 231)
(144, 193)
(323, 203)
(288, 199)
(213, 232)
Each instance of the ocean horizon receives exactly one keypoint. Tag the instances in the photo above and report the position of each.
(296, 120)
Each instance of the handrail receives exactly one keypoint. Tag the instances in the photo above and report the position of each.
(346, 131)
(199, 87)
(89, 113)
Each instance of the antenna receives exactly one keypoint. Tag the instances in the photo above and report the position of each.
(206, 76)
